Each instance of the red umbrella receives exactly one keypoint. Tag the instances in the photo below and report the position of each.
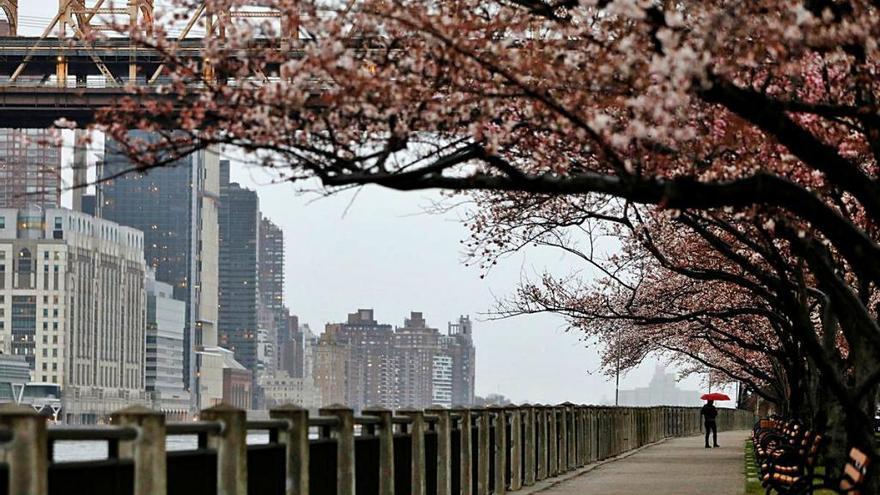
(715, 396)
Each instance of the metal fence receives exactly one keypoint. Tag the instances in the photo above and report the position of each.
(380, 452)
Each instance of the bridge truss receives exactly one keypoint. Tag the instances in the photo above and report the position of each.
(72, 45)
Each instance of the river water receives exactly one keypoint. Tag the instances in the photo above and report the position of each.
(67, 451)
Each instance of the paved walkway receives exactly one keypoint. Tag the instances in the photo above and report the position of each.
(679, 466)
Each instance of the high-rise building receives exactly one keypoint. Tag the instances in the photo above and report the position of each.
(331, 373)
(73, 304)
(30, 168)
(661, 391)
(442, 381)
(176, 208)
(239, 282)
(364, 363)
(292, 350)
(459, 345)
(271, 273)
(415, 346)
(166, 320)
(371, 368)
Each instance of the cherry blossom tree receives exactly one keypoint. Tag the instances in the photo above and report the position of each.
(717, 292)
(757, 122)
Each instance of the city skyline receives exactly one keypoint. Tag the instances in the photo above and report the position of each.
(511, 367)
(292, 246)
(524, 367)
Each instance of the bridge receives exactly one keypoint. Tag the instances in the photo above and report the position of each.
(71, 69)
(377, 452)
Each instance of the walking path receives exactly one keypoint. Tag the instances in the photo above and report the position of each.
(678, 466)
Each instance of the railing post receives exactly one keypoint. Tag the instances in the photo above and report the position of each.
(667, 413)
(615, 430)
(657, 434)
(588, 435)
(563, 438)
(344, 434)
(572, 436)
(542, 457)
(594, 436)
(444, 450)
(553, 451)
(500, 451)
(231, 448)
(529, 446)
(296, 441)
(483, 452)
(466, 466)
(615, 425)
(630, 429)
(417, 458)
(147, 450)
(386, 448)
(582, 436)
(26, 455)
(516, 446)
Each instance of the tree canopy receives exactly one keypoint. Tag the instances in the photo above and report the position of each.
(731, 148)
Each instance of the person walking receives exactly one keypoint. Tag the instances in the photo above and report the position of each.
(709, 413)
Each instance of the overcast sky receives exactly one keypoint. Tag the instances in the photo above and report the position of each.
(382, 251)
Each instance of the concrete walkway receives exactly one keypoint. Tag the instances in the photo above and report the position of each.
(678, 466)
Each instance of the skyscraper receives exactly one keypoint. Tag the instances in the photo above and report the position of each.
(364, 363)
(458, 344)
(30, 169)
(331, 370)
(371, 371)
(175, 207)
(271, 272)
(239, 281)
(291, 352)
(73, 304)
(415, 346)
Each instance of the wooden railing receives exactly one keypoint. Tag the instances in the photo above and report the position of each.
(379, 452)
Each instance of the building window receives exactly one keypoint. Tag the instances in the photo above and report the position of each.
(25, 263)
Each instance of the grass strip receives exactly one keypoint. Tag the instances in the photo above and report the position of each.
(753, 482)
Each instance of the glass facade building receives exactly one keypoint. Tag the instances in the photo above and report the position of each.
(239, 278)
(175, 207)
(30, 168)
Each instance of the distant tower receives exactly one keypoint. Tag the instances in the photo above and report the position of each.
(239, 272)
(9, 26)
(80, 169)
(459, 346)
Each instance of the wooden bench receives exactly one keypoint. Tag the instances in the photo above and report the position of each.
(854, 473)
(851, 482)
(784, 436)
(789, 468)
